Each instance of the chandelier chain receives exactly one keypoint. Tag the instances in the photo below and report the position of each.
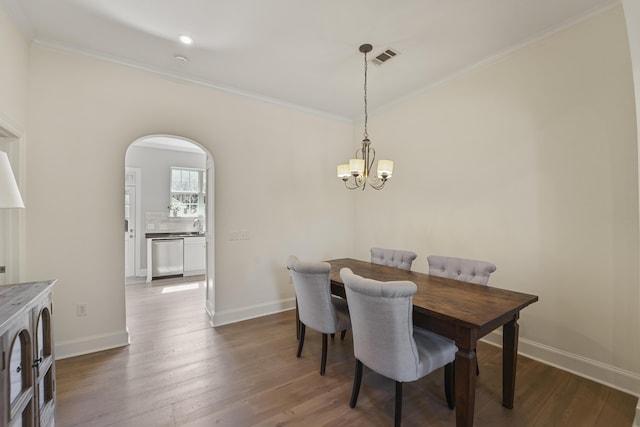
(366, 115)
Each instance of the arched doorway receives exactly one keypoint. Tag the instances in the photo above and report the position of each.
(156, 206)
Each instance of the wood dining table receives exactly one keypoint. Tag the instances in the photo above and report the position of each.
(461, 311)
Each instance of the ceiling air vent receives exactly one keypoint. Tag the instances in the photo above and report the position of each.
(384, 56)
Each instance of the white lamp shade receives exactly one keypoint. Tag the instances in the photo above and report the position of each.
(343, 171)
(9, 193)
(385, 168)
(356, 166)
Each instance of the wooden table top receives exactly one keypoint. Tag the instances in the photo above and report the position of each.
(469, 305)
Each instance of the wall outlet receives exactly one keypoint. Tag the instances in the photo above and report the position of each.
(81, 310)
(238, 234)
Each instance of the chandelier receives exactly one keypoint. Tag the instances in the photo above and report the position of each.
(358, 172)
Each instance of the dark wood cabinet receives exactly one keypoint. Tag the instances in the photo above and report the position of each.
(27, 369)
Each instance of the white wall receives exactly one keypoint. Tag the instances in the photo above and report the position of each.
(530, 163)
(632, 19)
(274, 177)
(14, 48)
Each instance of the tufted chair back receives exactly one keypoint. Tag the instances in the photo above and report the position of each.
(313, 292)
(466, 270)
(315, 306)
(385, 340)
(393, 258)
(383, 333)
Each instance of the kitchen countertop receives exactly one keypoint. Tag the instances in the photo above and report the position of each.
(176, 234)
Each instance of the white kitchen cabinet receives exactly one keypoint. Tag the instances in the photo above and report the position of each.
(195, 249)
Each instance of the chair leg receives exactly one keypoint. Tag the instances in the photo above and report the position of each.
(449, 384)
(333, 336)
(357, 379)
(297, 321)
(342, 334)
(301, 339)
(323, 361)
(398, 416)
(477, 365)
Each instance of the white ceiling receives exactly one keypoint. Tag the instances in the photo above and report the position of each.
(300, 52)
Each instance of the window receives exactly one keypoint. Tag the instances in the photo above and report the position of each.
(187, 192)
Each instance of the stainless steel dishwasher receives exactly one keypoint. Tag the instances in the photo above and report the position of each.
(167, 257)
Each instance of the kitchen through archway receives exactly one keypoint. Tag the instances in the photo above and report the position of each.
(168, 213)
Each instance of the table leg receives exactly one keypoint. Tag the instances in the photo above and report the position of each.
(465, 380)
(509, 360)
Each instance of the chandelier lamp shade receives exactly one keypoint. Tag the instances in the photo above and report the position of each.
(358, 173)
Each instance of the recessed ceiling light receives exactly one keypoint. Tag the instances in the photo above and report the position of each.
(182, 59)
(184, 39)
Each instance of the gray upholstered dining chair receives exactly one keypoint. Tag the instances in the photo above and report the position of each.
(466, 270)
(317, 308)
(393, 257)
(385, 340)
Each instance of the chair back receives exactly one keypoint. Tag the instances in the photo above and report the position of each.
(382, 325)
(466, 270)
(313, 293)
(393, 257)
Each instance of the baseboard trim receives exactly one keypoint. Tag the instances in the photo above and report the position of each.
(245, 313)
(210, 311)
(91, 344)
(619, 379)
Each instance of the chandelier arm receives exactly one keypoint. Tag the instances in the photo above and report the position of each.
(377, 183)
(354, 187)
(379, 186)
(365, 157)
(361, 182)
(372, 154)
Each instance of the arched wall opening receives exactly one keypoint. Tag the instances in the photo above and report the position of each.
(150, 210)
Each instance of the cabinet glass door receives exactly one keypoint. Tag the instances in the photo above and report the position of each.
(43, 361)
(21, 380)
(19, 360)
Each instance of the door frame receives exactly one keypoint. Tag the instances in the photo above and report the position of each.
(210, 291)
(210, 276)
(133, 177)
(11, 139)
(131, 227)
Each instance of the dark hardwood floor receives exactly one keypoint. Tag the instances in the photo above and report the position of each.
(179, 371)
